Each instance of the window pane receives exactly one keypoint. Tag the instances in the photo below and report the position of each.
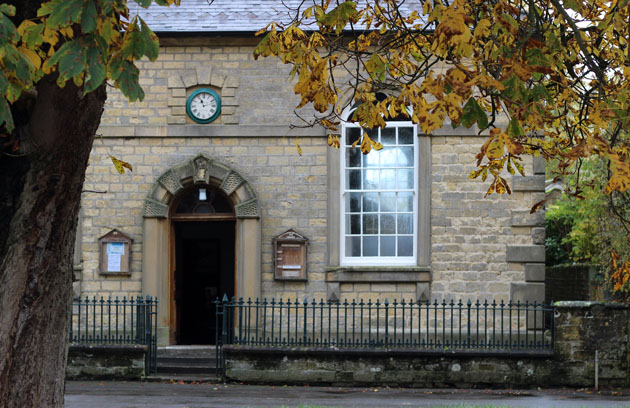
(352, 134)
(388, 156)
(405, 223)
(370, 181)
(388, 202)
(388, 246)
(405, 246)
(353, 202)
(388, 224)
(353, 182)
(388, 179)
(370, 224)
(405, 202)
(405, 156)
(405, 178)
(353, 246)
(354, 222)
(388, 136)
(370, 246)
(370, 202)
(371, 159)
(405, 135)
(353, 157)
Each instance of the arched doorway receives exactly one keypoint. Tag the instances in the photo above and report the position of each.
(184, 236)
(203, 225)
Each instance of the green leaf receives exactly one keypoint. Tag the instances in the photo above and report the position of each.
(88, 17)
(133, 43)
(8, 32)
(338, 17)
(33, 35)
(13, 92)
(65, 13)
(151, 42)
(513, 88)
(514, 129)
(473, 113)
(4, 84)
(48, 8)
(95, 70)
(144, 3)
(540, 92)
(128, 82)
(72, 61)
(7, 9)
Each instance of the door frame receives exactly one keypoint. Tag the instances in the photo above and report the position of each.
(158, 237)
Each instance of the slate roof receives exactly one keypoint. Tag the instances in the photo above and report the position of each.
(224, 16)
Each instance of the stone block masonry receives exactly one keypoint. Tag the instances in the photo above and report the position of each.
(472, 237)
(580, 328)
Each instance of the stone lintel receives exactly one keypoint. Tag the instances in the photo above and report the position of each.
(378, 274)
(525, 219)
(534, 272)
(528, 183)
(525, 253)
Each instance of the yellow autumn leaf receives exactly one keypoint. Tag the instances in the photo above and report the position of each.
(32, 56)
(120, 165)
(495, 148)
(299, 148)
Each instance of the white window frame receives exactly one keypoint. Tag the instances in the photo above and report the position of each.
(377, 260)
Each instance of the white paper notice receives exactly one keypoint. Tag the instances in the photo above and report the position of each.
(113, 263)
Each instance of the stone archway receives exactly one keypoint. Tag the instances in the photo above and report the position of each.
(157, 248)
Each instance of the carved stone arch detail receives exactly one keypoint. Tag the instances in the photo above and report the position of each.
(201, 169)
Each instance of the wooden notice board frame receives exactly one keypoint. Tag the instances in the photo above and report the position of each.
(289, 254)
(115, 253)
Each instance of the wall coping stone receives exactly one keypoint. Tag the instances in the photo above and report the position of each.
(386, 352)
(107, 348)
(577, 304)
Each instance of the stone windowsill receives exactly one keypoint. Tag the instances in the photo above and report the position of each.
(383, 274)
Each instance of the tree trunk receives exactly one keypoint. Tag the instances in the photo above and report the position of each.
(40, 192)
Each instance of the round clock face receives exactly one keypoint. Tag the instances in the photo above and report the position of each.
(203, 105)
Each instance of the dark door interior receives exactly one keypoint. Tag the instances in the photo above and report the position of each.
(204, 271)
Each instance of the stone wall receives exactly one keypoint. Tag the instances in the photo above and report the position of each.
(580, 328)
(106, 362)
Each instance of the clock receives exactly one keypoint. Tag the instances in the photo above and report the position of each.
(203, 105)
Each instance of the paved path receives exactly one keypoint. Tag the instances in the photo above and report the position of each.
(83, 394)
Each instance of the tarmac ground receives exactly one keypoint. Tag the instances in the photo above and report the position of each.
(116, 394)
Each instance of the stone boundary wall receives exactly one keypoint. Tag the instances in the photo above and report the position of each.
(580, 328)
(105, 362)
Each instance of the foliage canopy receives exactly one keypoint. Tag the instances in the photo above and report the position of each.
(84, 41)
(547, 78)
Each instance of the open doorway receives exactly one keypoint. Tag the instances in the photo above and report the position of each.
(204, 271)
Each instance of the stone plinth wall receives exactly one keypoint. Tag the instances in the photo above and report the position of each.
(579, 329)
(106, 362)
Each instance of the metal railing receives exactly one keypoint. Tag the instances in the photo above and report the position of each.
(117, 321)
(447, 326)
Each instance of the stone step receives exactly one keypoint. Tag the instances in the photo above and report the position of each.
(174, 369)
(185, 360)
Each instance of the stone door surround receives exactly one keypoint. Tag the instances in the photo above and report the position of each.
(157, 237)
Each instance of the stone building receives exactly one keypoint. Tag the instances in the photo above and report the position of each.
(212, 187)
